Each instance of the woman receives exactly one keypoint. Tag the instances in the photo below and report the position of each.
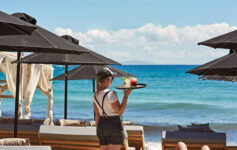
(108, 111)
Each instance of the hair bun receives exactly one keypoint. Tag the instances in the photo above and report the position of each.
(104, 73)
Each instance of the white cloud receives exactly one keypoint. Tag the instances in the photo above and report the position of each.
(202, 32)
(118, 54)
(158, 34)
(62, 31)
(154, 43)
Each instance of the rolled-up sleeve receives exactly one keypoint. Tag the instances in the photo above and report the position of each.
(113, 97)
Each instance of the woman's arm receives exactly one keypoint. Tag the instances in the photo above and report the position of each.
(119, 109)
(97, 114)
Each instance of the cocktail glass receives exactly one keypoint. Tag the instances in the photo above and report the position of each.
(127, 82)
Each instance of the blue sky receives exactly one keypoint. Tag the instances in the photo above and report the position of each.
(95, 21)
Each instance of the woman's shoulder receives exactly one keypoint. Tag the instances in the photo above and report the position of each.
(108, 91)
(112, 95)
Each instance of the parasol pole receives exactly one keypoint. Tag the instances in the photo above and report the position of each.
(93, 80)
(65, 94)
(93, 85)
(17, 93)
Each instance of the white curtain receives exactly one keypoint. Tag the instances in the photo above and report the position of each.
(32, 76)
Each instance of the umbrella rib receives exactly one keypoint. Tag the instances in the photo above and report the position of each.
(99, 59)
(19, 29)
(14, 27)
(120, 71)
(47, 40)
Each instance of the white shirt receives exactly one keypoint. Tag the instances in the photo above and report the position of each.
(110, 98)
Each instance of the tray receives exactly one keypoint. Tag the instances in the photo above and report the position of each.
(139, 86)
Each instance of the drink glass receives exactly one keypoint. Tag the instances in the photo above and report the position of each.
(133, 81)
(127, 82)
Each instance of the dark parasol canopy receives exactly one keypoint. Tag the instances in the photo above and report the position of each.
(228, 41)
(41, 41)
(91, 58)
(10, 25)
(223, 66)
(90, 72)
(219, 78)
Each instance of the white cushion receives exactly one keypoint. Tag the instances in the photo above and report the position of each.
(25, 148)
(65, 132)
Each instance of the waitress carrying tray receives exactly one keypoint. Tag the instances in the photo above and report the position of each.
(138, 86)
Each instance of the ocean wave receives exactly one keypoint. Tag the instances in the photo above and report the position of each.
(208, 108)
(224, 126)
(184, 106)
(177, 106)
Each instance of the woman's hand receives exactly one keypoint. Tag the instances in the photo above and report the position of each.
(120, 108)
(127, 92)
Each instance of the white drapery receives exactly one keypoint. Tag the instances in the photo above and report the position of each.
(32, 76)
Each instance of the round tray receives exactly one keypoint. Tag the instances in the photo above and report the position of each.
(139, 86)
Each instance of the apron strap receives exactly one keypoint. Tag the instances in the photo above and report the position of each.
(102, 107)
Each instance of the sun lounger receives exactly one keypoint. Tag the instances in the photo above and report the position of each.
(135, 136)
(25, 148)
(66, 137)
(194, 140)
(24, 131)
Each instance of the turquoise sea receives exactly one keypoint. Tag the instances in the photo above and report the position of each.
(171, 97)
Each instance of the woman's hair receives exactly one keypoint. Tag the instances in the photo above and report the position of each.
(102, 75)
(99, 81)
(98, 85)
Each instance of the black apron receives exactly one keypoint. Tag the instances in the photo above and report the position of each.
(109, 128)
